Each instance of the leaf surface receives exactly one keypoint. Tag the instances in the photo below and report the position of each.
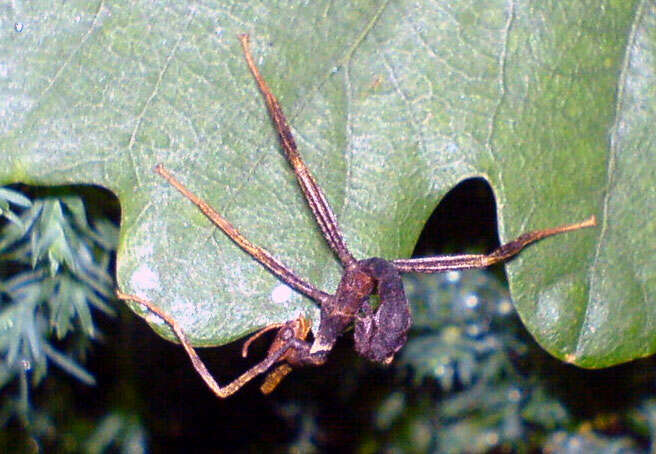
(392, 104)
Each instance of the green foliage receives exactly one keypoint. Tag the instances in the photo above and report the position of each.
(119, 431)
(10, 196)
(54, 272)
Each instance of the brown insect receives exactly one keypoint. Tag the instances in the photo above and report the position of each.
(378, 333)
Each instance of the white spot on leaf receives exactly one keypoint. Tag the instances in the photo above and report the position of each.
(281, 294)
(144, 279)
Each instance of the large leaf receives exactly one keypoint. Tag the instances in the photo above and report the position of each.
(393, 103)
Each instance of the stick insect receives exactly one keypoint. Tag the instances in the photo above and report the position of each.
(378, 333)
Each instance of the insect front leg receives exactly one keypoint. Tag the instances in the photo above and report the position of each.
(284, 343)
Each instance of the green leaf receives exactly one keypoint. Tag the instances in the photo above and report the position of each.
(392, 104)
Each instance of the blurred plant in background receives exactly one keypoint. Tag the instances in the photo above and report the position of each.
(54, 274)
(469, 380)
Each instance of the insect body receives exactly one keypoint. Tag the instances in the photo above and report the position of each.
(378, 333)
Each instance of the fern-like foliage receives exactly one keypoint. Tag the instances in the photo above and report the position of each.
(53, 273)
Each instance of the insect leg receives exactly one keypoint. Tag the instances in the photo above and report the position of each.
(197, 362)
(502, 253)
(259, 254)
(314, 195)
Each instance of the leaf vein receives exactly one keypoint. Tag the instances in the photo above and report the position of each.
(75, 51)
(153, 94)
